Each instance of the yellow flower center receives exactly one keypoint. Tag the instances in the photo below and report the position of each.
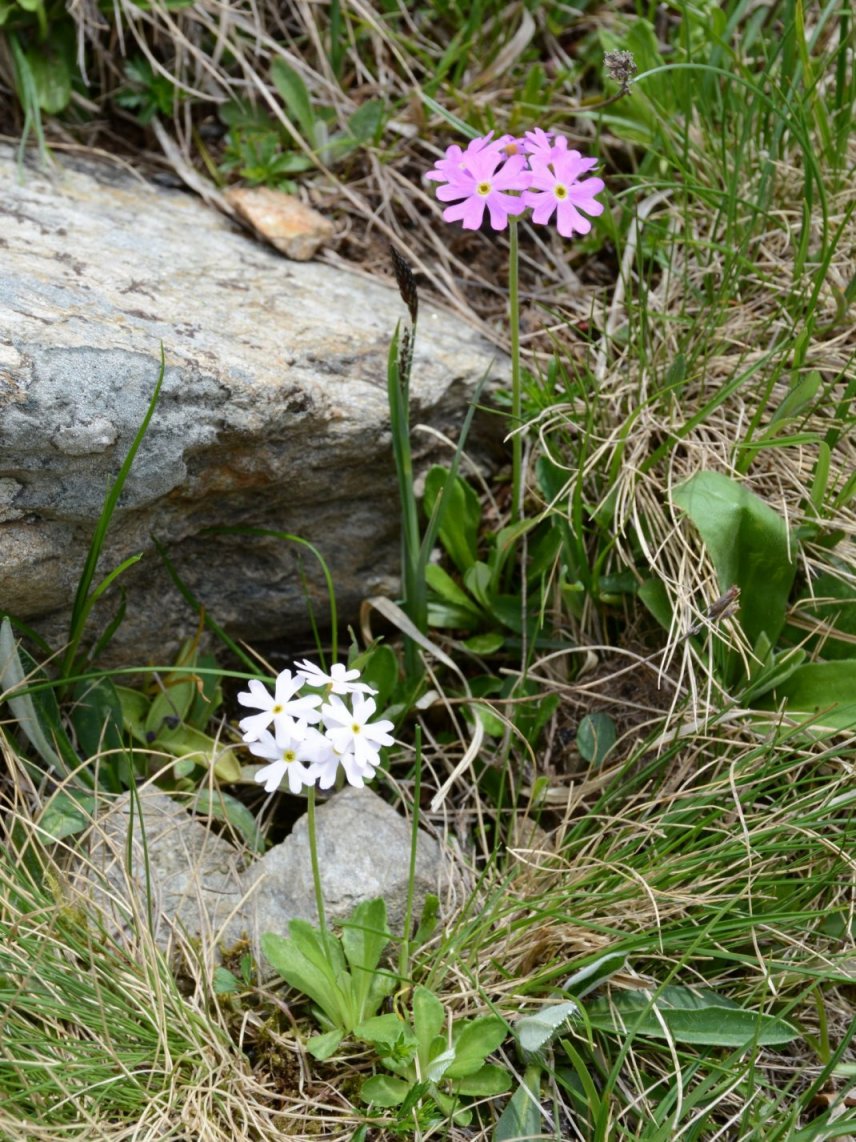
(483, 189)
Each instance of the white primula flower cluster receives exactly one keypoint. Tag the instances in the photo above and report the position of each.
(307, 735)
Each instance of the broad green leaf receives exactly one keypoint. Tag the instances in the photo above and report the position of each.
(654, 595)
(473, 1042)
(428, 1019)
(364, 936)
(427, 920)
(700, 1017)
(487, 1082)
(596, 736)
(832, 603)
(441, 582)
(135, 708)
(68, 812)
(366, 122)
(384, 1090)
(825, 691)
(440, 1059)
(51, 72)
(323, 1046)
(536, 1031)
(171, 704)
(485, 644)
(225, 982)
(186, 742)
(461, 515)
(97, 716)
(295, 97)
(385, 1031)
(748, 544)
(479, 582)
(311, 965)
(521, 1117)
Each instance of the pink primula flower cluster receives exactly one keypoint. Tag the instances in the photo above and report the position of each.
(305, 735)
(509, 175)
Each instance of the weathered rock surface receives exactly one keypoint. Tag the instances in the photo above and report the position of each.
(273, 412)
(195, 886)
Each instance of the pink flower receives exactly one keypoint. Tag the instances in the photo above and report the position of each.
(508, 175)
(555, 185)
(481, 176)
(538, 144)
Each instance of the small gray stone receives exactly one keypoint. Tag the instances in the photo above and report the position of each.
(197, 888)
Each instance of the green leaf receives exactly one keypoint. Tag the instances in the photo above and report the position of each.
(384, 1090)
(366, 123)
(385, 1031)
(51, 73)
(170, 706)
(595, 737)
(487, 1082)
(534, 1032)
(310, 964)
(825, 691)
(295, 97)
(797, 399)
(442, 583)
(37, 713)
(427, 920)
(479, 582)
(473, 1042)
(97, 715)
(135, 707)
(323, 1046)
(485, 644)
(378, 666)
(224, 982)
(364, 936)
(654, 595)
(700, 1017)
(521, 1117)
(461, 515)
(748, 544)
(772, 673)
(428, 1019)
(587, 978)
(68, 812)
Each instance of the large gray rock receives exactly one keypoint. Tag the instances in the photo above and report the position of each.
(273, 411)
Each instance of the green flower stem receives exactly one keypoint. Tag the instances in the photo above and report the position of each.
(313, 856)
(404, 955)
(516, 403)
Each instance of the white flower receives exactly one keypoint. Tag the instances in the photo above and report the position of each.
(351, 732)
(340, 680)
(294, 758)
(280, 708)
